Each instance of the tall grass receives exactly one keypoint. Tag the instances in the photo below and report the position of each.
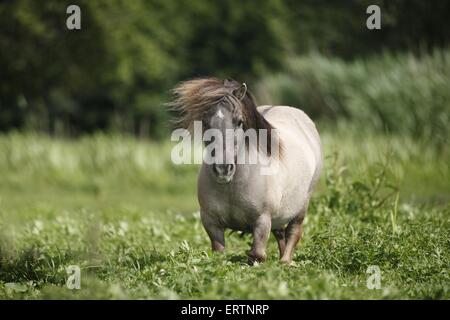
(101, 163)
(397, 93)
(98, 159)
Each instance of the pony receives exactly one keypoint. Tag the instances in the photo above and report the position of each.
(238, 196)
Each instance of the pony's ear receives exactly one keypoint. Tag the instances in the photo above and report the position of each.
(240, 92)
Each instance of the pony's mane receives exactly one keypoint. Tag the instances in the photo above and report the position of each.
(194, 97)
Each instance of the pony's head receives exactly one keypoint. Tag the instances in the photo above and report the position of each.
(224, 108)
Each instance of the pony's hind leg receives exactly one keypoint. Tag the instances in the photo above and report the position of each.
(293, 235)
(280, 235)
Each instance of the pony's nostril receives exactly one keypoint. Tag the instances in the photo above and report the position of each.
(223, 170)
(230, 168)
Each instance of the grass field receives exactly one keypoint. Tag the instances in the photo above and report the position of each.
(121, 211)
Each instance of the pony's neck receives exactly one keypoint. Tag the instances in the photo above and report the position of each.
(255, 120)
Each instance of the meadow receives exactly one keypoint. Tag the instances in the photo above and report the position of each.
(85, 172)
(119, 209)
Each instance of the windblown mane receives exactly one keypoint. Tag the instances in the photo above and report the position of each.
(194, 97)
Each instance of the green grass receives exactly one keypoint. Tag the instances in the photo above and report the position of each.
(119, 209)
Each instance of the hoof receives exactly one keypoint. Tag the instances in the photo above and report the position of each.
(285, 261)
(252, 258)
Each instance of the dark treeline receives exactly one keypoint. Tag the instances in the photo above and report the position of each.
(115, 73)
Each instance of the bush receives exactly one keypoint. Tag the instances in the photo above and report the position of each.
(398, 93)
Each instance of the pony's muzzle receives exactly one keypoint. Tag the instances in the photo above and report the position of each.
(224, 172)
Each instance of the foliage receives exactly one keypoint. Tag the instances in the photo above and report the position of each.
(115, 72)
(338, 28)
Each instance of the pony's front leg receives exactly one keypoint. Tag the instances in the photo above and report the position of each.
(215, 232)
(261, 233)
